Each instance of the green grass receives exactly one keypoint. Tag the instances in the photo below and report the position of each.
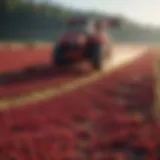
(25, 43)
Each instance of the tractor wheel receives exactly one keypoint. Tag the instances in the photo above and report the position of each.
(100, 57)
(56, 55)
(59, 58)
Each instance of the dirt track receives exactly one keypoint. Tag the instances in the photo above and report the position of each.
(125, 53)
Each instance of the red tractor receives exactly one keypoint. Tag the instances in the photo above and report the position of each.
(85, 40)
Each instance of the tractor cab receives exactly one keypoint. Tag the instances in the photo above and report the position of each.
(80, 29)
(76, 25)
(76, 31)
(90, 25)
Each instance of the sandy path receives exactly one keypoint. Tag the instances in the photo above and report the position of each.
(123, 54)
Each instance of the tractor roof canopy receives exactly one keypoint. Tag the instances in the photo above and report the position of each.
(81, 23)
(77, 24)
(110, 22)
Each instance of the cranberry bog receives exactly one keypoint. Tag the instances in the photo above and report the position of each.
(16, 58)
(110, 118)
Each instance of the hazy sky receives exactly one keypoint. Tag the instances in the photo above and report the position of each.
(144, 11)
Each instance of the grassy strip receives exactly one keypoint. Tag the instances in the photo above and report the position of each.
(34, 97)
(25, 44)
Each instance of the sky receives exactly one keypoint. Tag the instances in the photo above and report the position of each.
(142, 11)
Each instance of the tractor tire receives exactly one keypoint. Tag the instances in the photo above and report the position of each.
(96, 59)
(100, 57)
(59, 58)
(56, 55)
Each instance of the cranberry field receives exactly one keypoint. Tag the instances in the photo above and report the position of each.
(109, 119)
(15, 57)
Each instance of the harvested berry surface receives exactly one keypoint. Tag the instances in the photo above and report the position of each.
(110, 119)
(29, 82)
(19, 60)
(16, 57)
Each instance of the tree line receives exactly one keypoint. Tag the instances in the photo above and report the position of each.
(22, 18)
(29, 20)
